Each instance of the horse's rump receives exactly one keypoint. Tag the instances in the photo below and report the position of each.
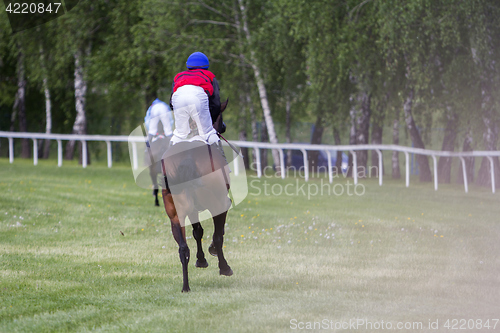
(197, 175)
(187, 161)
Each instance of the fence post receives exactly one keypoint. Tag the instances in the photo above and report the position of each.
(236, 163)
(59, 153)
(110, 154)
(282, 163)
(380, 167)
(464, 171)
(35, 152)
(306, 165)
(492, 172)
(84, 153)
(354, 167)
(329, 156)
(11, 150)
(435, 172)
(407, 162)
(257, 155)
(134, 155)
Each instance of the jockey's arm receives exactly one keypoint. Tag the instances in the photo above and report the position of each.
(172, 92)
(214, 101)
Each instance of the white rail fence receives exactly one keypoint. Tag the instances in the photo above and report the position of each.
(257, 146)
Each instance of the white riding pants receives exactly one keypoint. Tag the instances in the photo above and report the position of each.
(192, 102)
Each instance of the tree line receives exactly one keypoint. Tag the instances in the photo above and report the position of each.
(351, 67)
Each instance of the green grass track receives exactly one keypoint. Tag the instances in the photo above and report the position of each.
(393, 254)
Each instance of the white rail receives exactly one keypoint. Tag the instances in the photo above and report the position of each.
(378, 148)
(68, 137)
(304, 148)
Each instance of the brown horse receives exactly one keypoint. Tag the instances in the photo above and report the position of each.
(196, 179)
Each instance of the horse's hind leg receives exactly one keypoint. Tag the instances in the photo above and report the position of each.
(198, 235)
(155, 194)
(153, 174)
(218, 241)
(179, 233)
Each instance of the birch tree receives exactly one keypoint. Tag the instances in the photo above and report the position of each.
(21, 100)
(80, 124)
(259, 80)
(44, 72)
(407, 48)
(78, 30)
(485, 44)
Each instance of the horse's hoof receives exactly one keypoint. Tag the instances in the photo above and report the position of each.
(186, 290)
(201, 264)
(157, 204)
(212, 250)
(226, 272)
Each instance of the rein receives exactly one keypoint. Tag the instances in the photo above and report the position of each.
(230, 145)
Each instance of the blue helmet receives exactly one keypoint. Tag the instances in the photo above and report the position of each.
(197, 60)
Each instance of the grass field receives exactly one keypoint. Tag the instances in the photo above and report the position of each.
(393, 254)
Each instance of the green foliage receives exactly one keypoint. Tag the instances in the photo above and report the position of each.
(318, 55)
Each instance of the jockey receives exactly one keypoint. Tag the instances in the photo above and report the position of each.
(158, 143)
(159, 111)
(195, 95)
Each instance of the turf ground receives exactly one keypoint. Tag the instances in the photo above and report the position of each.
(394, 255)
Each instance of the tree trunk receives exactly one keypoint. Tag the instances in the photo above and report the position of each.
(245, 98)
(263, 152)
(469, 161)
(13, 115)
(21, 103)
(242, 128)
(336, 138)
(377, 131)
(288, 136)
(255, 133)
(490, 137)
(316, 140)
(80, 124)
(45, 150)
(487, 70)
(422, 160)
(261, 88)
(48, 117)
(362, 133)
(352, 139)
(48, 104)
(450, 135)
(396, 172)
